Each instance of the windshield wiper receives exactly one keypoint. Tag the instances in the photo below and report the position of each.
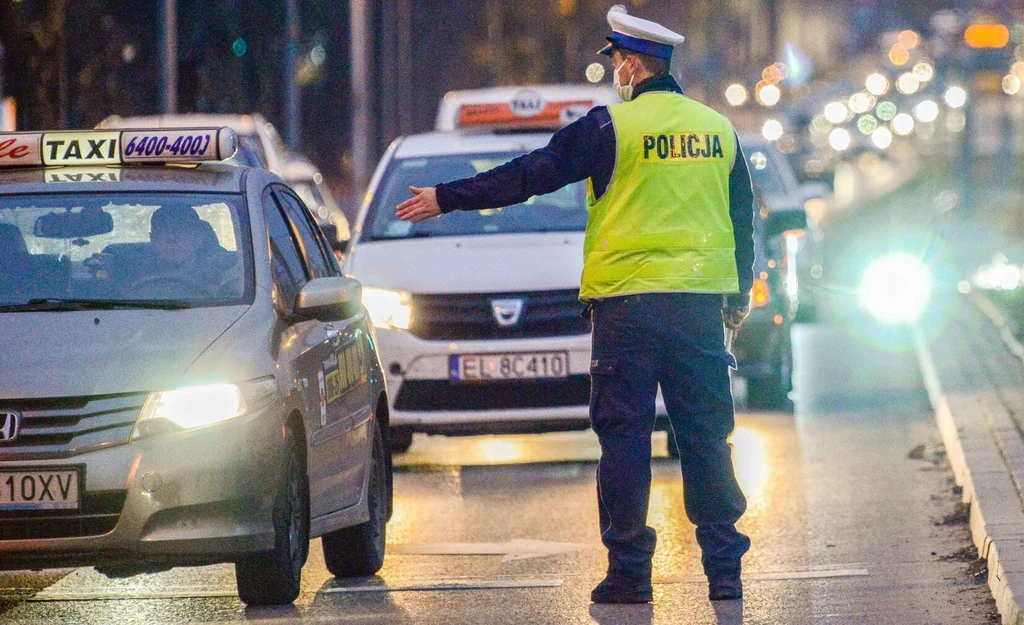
(52, 304)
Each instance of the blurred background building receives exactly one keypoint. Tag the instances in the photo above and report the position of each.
(70, 63)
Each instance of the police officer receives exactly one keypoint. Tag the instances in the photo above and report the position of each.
(668, 257)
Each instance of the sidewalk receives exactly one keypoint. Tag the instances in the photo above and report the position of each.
(976, 386)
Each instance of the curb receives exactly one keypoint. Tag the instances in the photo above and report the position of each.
(996, 517)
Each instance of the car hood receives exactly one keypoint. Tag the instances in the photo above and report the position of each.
(506, 263)
(61, 354)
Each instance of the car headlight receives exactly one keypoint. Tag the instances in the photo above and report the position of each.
(388, 309)
(199, 406)
(896, 288)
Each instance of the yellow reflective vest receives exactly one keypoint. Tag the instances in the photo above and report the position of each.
(663, 225)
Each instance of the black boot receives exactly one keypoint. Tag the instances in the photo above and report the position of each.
(614, 589)
(725, 589)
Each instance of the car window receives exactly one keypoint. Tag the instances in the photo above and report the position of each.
(312, 247)
(288, 269)
(191, 248)
(564, 210)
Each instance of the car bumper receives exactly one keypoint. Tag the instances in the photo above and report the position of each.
(423, 395)
(194, 497)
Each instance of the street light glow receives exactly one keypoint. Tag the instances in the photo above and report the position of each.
(955, 97)
(736, 95)
(1011, 84)
(877, 84)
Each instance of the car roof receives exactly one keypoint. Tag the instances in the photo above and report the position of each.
(447, 143)
(242, 124)
(204, 177)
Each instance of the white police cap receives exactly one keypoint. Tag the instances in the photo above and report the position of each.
(639, 35)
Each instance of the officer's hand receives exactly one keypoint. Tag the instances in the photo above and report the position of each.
(733, 317)
(421, 206)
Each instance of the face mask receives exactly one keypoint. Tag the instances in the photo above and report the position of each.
(625, 91)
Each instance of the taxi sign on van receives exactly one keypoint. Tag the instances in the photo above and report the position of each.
(526, 109)
(116, 147)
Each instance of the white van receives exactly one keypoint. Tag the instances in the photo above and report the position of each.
(478, 318)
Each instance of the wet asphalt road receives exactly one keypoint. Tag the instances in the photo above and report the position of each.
(846, 527)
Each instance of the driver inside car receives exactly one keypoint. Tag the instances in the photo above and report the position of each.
(185, 258)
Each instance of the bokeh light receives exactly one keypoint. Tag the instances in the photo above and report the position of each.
(886, 111)
(736, 95)
(927, 111)
(877, 84)
(882, 138)
(899, 55)
(595, 72)
(908, 84)
(903, 124)
(772, 130)
(861, 102)
(840, 139)
(924, 71)
(867, 124)
(1011, 84)
(955, 97)
(836, 112)
(769, 95)
(909, 39)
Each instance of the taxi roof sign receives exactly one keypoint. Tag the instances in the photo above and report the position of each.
(539, 107)
(116, 147)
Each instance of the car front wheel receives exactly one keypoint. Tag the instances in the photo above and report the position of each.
(358, 551)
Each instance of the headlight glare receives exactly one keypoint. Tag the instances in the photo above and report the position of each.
(896, 289)
(388, 309)
(200, 406)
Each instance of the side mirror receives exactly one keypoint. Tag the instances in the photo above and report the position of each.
(784, 221)
(329, 299)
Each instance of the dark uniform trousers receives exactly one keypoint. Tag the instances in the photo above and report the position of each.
(677, 340)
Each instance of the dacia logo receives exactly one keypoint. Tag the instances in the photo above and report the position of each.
(507, 311)
(680, 147)
(527, 104)
(10, 425)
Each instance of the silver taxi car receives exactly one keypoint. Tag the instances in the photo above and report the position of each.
(187, 377)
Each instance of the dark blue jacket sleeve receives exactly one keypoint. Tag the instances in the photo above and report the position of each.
(573, 154)
(741, 210)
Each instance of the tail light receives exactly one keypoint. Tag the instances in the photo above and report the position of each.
(760, 296)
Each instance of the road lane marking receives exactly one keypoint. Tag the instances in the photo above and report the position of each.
(461, 584)
(124, 594)
(778, 576)
(516, 549)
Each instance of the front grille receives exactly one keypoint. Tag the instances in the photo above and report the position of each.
(62, 427)
(98, 515)
(466, 317)
(433, 395)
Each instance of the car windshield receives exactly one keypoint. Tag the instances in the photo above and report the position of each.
(126, 249)
(563, 210)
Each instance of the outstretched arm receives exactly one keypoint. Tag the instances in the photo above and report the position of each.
(569, 157)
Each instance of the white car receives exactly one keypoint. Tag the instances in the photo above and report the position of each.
(259, 144)
(478, 314)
